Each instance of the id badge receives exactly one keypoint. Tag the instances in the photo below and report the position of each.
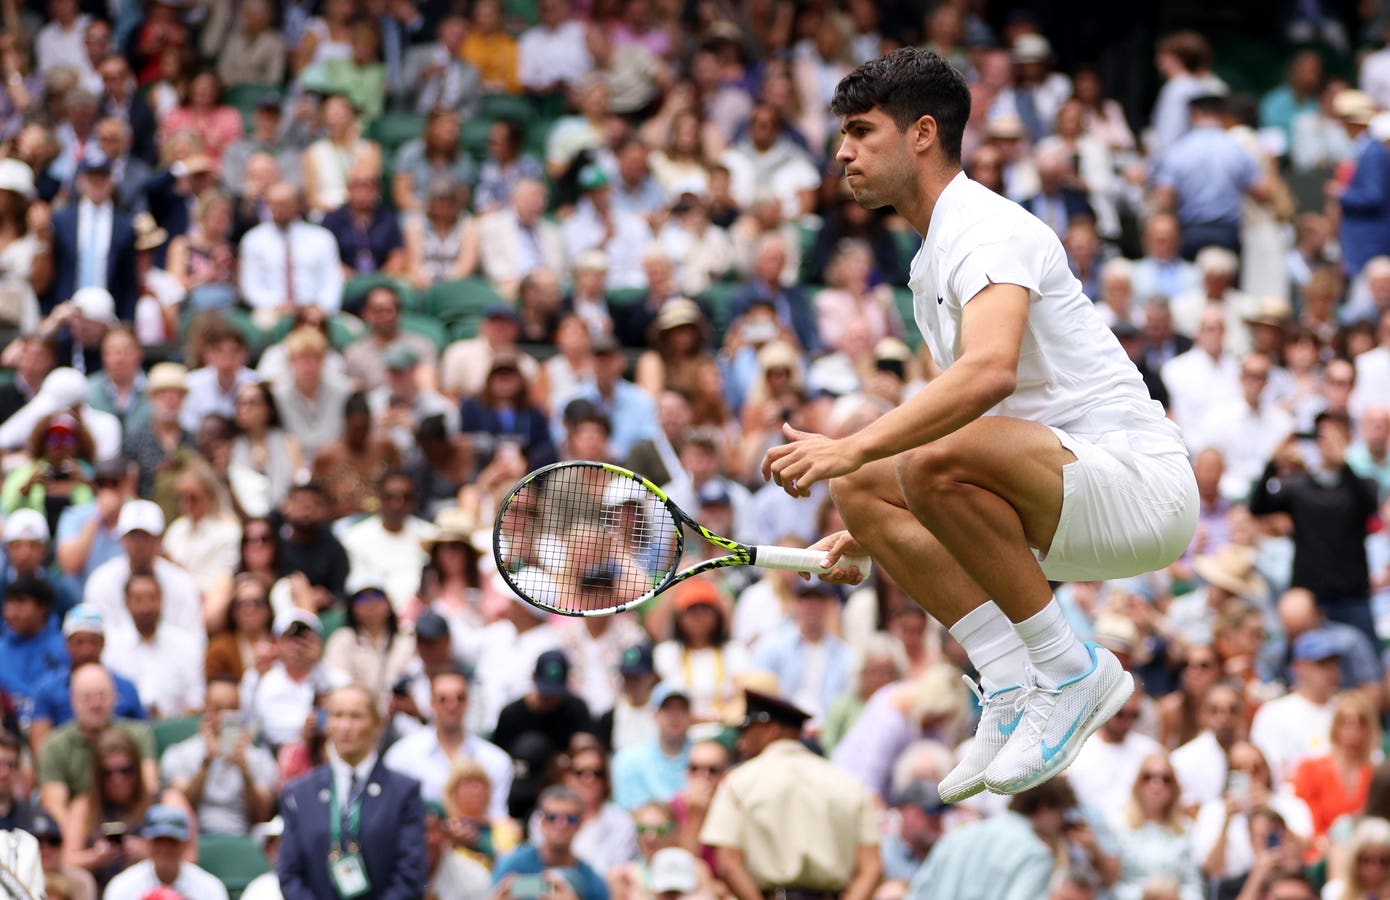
(349, 876)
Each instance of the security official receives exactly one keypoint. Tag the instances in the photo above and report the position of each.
(786, 824)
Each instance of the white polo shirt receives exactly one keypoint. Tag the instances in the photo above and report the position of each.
(1072, 372)
(137, 881)
(420, 756)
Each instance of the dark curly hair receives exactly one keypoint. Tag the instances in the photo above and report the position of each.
(907, 84)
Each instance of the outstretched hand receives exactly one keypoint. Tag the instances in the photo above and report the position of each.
(838, 546)
(807, 458)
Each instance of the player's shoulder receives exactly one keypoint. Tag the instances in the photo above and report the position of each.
(977, 215)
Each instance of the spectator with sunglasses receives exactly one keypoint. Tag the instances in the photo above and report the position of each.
(1154, 835)
(708, 762)
(551, 855)
(607, 837)
(85, 635)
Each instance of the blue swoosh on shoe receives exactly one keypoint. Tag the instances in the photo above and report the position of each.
(1008, 728)
(1050, 753)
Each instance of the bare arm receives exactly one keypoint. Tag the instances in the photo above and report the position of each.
(736, 875)
(868, 871)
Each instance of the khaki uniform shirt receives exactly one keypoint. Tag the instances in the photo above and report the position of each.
(798, 820)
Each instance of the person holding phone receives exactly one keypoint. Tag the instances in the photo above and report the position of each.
(547, 867)
(225, 777)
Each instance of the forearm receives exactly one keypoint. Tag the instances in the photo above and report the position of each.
(963, 393)
(73, 553)
(867, 875)
(257, 799)
(736, 875)
(193, 791)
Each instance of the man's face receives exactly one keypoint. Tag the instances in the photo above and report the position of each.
(111, 137)
(25, 616)
(1319, 677)
(449, 698)
(877, 158)
(708, 762)
(559, 822)
(352, 725)
(397, 500)
(226, 357)
(1118, 728)
(140, 548)
(85, 647)
(306, 368)
(382, 313)
(283, 203)
(1161, 238)
(364, 192)
(673, 719)
(26, 556)
(304, 509)
(93, 700)
(166, 852)
(588, 440)
(97, 187)
(143, 601)
(222, 697)
(114, 77)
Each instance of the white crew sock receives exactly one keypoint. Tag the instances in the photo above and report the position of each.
(993, 646)
(1053, 649)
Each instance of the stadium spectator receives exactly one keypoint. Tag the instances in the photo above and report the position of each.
(163, 660)
(373, 648)
(1153, 835)
(551, 856)
(226, 779)
(380, 829)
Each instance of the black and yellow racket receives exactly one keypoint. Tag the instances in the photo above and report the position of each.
(593, 539)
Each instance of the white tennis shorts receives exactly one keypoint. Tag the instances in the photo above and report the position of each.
(1129, 506)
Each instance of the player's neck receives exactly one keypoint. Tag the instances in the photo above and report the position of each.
(918, 208)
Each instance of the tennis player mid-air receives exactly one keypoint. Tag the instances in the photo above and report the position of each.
(1037, 454)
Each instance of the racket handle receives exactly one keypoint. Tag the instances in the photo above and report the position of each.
(794, 559)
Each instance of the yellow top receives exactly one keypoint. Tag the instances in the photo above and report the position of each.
(798, 820)
(494, 56)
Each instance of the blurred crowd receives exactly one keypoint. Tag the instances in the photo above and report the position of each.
(293, 291)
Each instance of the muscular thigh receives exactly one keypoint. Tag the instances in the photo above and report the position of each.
(1017, 460)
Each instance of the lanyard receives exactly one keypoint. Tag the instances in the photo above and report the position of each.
(335, 824)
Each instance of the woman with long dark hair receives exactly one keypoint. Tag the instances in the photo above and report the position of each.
(244, 641)
(262, 446)
(700, 657)
(374, 649)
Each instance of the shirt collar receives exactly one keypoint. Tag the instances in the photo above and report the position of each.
(343, 772)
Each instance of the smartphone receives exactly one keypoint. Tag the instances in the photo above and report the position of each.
(1238, 783)
(230, 731)
(114, 831)
(529, 887)
(1276, 837)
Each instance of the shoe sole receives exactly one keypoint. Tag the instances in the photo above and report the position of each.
(1110, 704)
(966, 791)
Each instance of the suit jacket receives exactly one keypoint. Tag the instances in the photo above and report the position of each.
(120, 262)
(166, 204)
(143, 126)
(530, 428)
(499, 246)
(419, 94)
(392, 836)
(790, 302)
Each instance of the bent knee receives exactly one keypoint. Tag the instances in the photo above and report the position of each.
(875, 480)
(928, 471)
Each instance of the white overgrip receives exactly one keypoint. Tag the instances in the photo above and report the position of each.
(794, 559)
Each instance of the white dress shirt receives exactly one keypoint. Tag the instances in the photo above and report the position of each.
(1196, 383)
(167, 668)
(343, 773)
(1200, 765)
(395, 557)
(183, 604)
(1106, 777)
(1246, 438)
(313, 253)
(55, 45)
(420, 756)
(545, 56)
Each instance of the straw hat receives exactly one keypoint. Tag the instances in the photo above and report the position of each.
(456, 526)
(1231, 568)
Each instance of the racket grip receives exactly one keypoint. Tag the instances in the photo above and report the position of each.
(795, 559)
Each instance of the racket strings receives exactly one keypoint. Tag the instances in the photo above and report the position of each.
(584, 539)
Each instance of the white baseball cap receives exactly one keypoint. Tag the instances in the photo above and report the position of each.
(84, 618)
(96, 304)
(291, 617)
(140, 515)
(26, 525)
(673, 869)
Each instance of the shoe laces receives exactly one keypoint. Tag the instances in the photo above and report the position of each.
(1034, 719)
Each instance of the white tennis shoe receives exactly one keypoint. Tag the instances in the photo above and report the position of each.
(1000, 713)
(1057, 721)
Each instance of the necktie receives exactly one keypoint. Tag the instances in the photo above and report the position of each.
(354, 789)
(289, 273)
(87, 271)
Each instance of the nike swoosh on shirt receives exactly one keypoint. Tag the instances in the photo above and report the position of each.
(1050, 753)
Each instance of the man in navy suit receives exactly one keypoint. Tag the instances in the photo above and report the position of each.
(1058, 200)
(94, 242)
(376, 847)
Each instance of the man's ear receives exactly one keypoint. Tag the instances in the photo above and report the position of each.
(924, 133)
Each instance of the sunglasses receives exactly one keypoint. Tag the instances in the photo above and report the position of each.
(51, 840)
(695, 769)
(122, 771)
(1164, 777)
(565, 818)
(107, 483)
(1379, 859)
(250, 602)
(1201, 664)
(368, 596)
(588, 773)
(256, 539)
(653, 830)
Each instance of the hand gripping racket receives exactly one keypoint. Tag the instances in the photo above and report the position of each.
(593, 539)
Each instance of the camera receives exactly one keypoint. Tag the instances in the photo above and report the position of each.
(599, 578)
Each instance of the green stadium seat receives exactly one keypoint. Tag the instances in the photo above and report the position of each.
(506, 106)
(465, 328)
(623, 298)
(418, 323)
(453, 300)
(473, 134)
(356, 288)
(902, 299)
(393, 129)
(233, 859)
(718, 300)
(168, 732)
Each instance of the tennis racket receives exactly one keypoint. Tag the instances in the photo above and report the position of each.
(593, 539)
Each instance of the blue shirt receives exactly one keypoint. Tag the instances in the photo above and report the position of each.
(1210, 171)
(52, 699)
(526, 860)
(24, 660)
(104, 546)
(1000, 858)
(632, 414)
(643, 773)
(784, 652)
